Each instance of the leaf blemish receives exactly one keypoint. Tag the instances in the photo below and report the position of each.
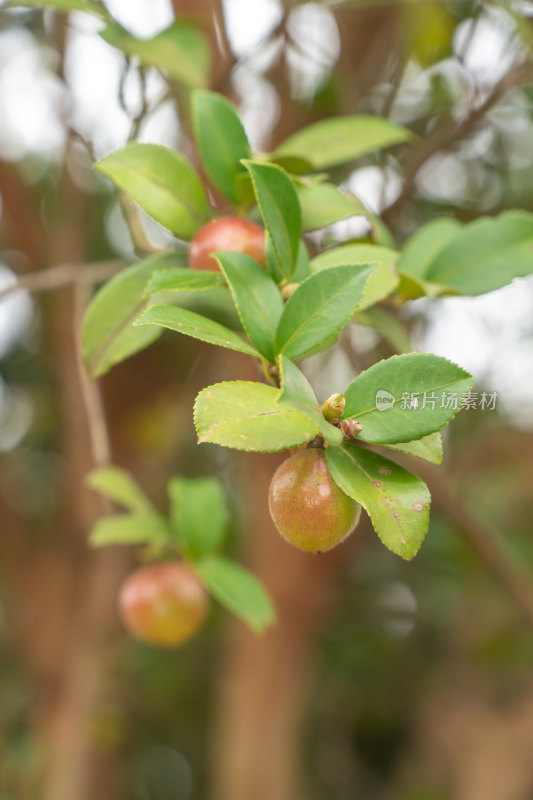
(377, 484)
(419, 506)
(384, 471)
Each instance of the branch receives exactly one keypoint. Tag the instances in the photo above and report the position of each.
(64, 275)
(453, 131)
(485, 541)
(92, 396)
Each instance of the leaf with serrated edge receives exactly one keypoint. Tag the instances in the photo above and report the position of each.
(429, 448)
(163, 183)
(192, 324)
(221, 141)
(198, 513)
(257, 299)
(296, 392)
(341, 139)
(182, 279)
(384, 278)
(319, 308)
(120, 487)
(245, 415)
(405, 376)
(396, 501)
(322, 204)
(486, 254)
(238, 591)
(134, 530)
(107, 333)
(422, 248)
(280, 209)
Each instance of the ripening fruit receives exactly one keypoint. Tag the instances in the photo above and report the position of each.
(163, 604)
(227, 233)
(307, 506)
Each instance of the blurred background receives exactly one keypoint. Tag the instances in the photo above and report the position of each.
(384, 680)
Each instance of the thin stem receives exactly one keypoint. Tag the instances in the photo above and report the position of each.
(453, 131)
(64, 275)
(92, 396)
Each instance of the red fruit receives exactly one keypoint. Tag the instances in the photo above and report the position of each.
(307, 506)
(163, 604)
(226, 233)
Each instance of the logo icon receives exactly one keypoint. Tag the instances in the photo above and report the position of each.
(384, 400)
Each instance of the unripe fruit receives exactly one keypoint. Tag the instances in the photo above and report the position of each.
(163, 604)
(307, 506)
(227, 233)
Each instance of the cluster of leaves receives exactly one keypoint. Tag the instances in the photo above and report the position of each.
(297, 305)
(194, 530)
(326, 292)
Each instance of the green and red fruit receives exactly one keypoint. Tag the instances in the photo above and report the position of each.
(227, 233)
(163, 604)
(307, 506)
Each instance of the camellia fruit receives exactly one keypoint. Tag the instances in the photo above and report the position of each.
(163, 604)
(227, 233)
(307, 506)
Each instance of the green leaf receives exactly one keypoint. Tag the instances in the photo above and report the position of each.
(341, 139)
(322, 204)
(396, 501)
(163, 183)
(293, 165)
(120, 487)
(180, 51)
(411, 288)
(62, 5)
(301, 268)
(221, 141)
(429, 448)
(257, 298)
(238, 591)
(296, 392)
(198, 514)
(246, 416)
(384, 278)
(319, 308)
(278, 203)
(107, 333)
(486, 255)
(406, 397)
(195, 325)
(183, 279)
(125, 529)
(421, 249)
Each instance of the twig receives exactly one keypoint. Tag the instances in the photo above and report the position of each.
(140, 241)
(64, 275)
(452, 131)
(92, 398)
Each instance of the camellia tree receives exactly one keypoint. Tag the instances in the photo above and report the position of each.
(255, 267)
(274, 301)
